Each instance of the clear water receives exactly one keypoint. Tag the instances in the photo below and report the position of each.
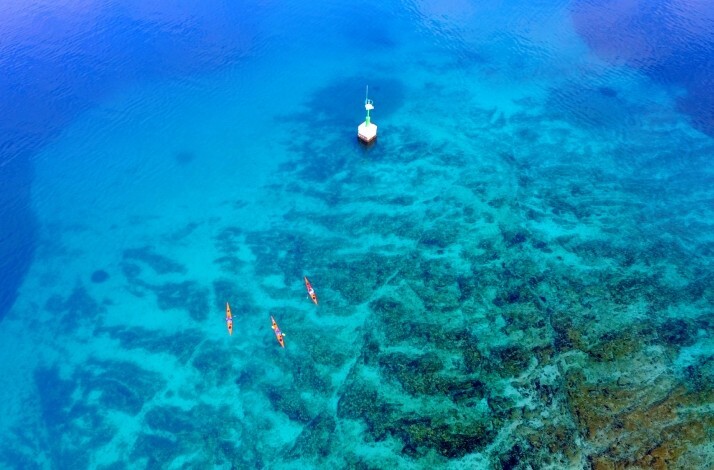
(516, 275)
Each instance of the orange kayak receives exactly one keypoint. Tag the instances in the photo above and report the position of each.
(229, 319)
(310, 291)
(278, 334)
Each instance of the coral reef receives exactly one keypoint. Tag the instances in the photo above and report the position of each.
(79, 308)
(473, 314)
(181, 346)
(159, 263)
(99, 276)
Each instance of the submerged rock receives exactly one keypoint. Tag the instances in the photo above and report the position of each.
(99, 276)
(316, 438)
(451, 441)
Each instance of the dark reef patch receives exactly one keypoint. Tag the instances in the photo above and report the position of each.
(316, 437)
(79, 308)
(333, 99)
(118, 396)
(230, 264)
(678, 332)
(515, 456)
(12, 456)
(56, 402)
(473, 359)
(417, 375)
(187, 295)
(288, 401)
(68, 417)
(468, 286)
(451, 441)
(356, 279)
(225, 290)
(467, 391)
(228, 239)
(55, 395)
(307, 376)
(159, 263)
(323, 350)
(505, 298)
(419, 434)
(155, 450)
(181, 345)
(361, 401)
(607, 91)
(130, 270)
(173, 420)
(200, 432)
(184, 157)
(513, 237)
(181, 233)
(439, 290)
(440, 237)
(123, 385)
(320, 169)
(283, 253)
(240, 299)
(509, 361)
(390, 312)
(215, 365)
(404, 226)
(99, 276)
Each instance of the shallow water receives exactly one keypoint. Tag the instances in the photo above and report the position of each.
(516, 275)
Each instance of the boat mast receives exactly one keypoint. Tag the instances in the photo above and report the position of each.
(367, 105)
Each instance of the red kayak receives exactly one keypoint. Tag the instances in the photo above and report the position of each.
(278, 334)
(229, 319)
(310, 291)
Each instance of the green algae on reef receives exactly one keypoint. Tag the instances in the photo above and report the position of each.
(472, 310)
(78, 308)
(542, 317)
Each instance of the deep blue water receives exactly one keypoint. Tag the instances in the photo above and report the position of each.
(59, 60)
(670, 41)
(17, 232)
(532, 226)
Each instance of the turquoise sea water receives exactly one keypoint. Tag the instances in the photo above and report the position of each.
(518, 274)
